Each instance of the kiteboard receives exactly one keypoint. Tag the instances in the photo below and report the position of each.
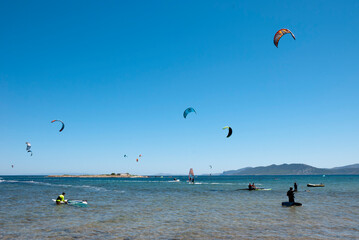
(256, 189)
(291, 204)
(73, 202)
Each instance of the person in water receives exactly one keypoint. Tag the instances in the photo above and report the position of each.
(253, 186)
(250, 186)
(61, 199)
(193, 180)
(290, 195)
(295, 187)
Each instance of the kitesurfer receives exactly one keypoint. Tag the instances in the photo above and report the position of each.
(253, 186)
(290, 195)
(61, 199)
(193, 180)
(250, 186)
(295, 187)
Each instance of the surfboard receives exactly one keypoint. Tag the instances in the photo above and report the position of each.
(256, 189)
(73, 202)
(291, 204)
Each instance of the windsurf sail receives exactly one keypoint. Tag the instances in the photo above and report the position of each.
(190, 174)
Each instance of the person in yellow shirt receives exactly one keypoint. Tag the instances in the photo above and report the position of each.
(61, 199)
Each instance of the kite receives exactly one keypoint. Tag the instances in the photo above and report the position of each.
(63, 125)
(187, 111)
(28, 146)
(280, 34)
(229, 131)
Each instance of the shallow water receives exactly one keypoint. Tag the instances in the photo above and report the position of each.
(159, 208)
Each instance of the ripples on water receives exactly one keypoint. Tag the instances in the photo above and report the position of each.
(157, 208)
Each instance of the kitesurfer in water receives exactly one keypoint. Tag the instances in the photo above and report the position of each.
(193, 180)
(250, 186)
(290, 195)
(61, 199)
(295, 187)
(253, 186)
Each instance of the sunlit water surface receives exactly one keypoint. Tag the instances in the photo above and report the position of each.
(159, 208)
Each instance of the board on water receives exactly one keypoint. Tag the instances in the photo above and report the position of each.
(256, 189)
(291, 204)
(73, 202)
(315, 185)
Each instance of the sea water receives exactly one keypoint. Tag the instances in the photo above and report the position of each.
(160, 208)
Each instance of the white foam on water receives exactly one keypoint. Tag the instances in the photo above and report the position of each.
(57, 185)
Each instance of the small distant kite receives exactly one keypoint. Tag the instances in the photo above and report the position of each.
(28, 147)
(125, 155)
(140, 155)
(137, 160)
(12, 166)
(187, 111)
(63, 125)
(210, 166)
(229, 131)
(280, 34)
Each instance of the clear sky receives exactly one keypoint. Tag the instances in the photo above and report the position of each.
(121, 73)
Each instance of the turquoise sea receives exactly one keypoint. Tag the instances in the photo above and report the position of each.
(160, 208)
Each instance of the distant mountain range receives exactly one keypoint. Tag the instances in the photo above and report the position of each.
(294, 169)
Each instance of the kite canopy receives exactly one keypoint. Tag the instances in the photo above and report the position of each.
(63, 125)
(280, 34)
(229, 131)
(187, 111)
(28, 146)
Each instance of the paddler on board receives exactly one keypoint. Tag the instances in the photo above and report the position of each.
(61, 199)
(290, 195)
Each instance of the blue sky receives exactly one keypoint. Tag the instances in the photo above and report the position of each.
(121, 73)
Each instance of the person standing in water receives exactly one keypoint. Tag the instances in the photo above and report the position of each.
(295, 187)
(290, 195)
(61, 199)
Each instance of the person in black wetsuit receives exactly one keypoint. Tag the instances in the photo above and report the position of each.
(295, 187)
(290, 195)
(250, 186)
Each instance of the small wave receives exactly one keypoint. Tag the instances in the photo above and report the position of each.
(57, 185)
(222, 183)
(134, 181)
